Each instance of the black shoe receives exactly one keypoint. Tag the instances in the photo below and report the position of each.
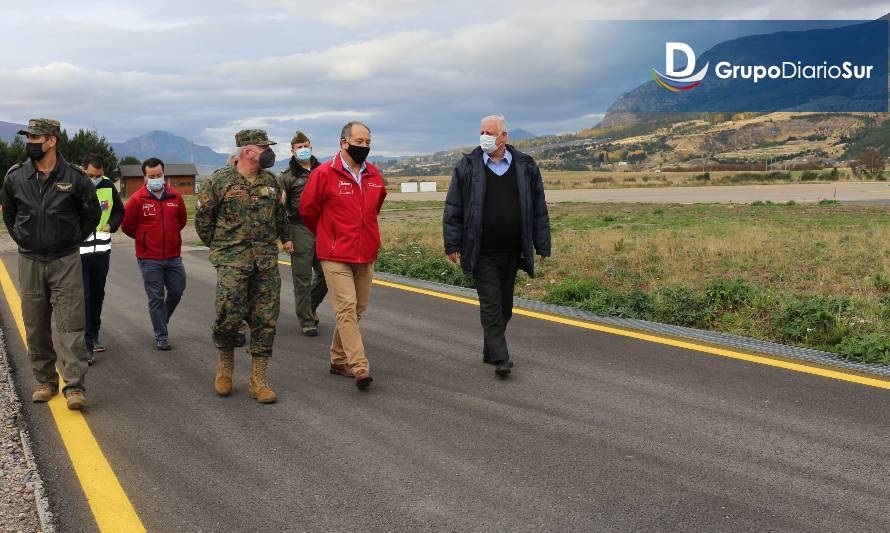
(310, 331)
(163, 346)
(502, 368)
(240, 340)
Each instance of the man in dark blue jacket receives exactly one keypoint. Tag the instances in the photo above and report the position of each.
(495, 219)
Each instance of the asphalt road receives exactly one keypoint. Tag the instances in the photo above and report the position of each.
(859, 192)
(594, 432)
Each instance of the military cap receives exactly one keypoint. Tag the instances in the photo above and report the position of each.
(257, 137)
(299, 137)
(42, 126)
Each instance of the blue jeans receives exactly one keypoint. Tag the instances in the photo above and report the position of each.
(159, 275)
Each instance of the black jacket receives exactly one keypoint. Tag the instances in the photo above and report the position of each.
(51, 219)
(462, 219)
(292, 181)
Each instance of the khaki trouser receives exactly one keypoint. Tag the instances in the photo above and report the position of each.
(54, 287)
(309, 285)
(349, 285)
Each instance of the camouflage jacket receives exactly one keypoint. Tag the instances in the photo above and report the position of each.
(239, 220)
(292, 181)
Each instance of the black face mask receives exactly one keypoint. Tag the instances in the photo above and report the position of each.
(267, 159)
(35, 151)
(358, 153)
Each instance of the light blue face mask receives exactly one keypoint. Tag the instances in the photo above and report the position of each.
(303, 154)
(155, 184)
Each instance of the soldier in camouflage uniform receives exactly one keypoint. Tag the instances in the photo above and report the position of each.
(309, 285)
(239, 217)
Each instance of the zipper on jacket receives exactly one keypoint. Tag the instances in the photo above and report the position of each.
(163, 229)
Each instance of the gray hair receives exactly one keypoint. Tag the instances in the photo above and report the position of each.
(501, 121)
(347, 129)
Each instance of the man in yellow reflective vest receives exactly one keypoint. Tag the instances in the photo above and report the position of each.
(95, 251)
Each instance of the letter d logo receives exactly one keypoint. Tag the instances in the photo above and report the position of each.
(670, 50)
(674, 80)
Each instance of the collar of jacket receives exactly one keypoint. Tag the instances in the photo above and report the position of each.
(32, 168)
(337, 164)
(105, 183)
(297, 169)
(517, 155)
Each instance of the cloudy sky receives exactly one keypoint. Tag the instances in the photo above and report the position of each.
(420, 73)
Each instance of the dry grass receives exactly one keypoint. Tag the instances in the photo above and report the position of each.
(783, 248)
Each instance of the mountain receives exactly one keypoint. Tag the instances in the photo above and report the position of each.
(723, 95)
(8, 131)
(521, 135)
(170, 148)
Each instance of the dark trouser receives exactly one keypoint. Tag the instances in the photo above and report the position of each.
(47, 288)
(158, 275)
(95, 271)
(495, 277)
(309, 285)
(252, 294)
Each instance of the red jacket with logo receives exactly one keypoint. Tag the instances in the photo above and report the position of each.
(342, 213)
(155, 224)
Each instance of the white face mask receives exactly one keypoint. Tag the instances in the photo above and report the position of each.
(96, 180)
(155, 184)
(488, 143)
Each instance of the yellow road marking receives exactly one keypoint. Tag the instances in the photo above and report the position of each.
(108, 502)
(657, 339)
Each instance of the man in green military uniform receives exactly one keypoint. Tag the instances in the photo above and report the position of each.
(49, 209)
(239, 217)
(309, 286)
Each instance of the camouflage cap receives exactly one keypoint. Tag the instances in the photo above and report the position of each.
(299, 137)
(257, 137)
(42, 126)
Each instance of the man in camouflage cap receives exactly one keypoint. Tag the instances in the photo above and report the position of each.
(309, 285)
(49, 208)
(239, 217)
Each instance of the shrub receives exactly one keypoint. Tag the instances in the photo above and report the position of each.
(682, 306)
(419, 263)
(592, 296)
(868, 348)
(814, 319)
(729, 294)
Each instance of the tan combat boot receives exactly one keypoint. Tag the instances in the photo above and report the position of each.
(224, 369)
(44, 393)
(259, 387)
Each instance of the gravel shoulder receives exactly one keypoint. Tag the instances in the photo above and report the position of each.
(21, 487)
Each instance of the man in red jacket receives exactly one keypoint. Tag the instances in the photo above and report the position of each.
(154, 216)
(340, 204)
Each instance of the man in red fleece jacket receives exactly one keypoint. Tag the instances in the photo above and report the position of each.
(340, 204)
(154, 216)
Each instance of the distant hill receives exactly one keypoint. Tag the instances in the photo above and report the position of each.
(171, 148)
(8, 131)
(521, 135)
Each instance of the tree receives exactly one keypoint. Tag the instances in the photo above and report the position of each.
(89, 142)
(10, 154)
(129, 160)
(870, 162)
